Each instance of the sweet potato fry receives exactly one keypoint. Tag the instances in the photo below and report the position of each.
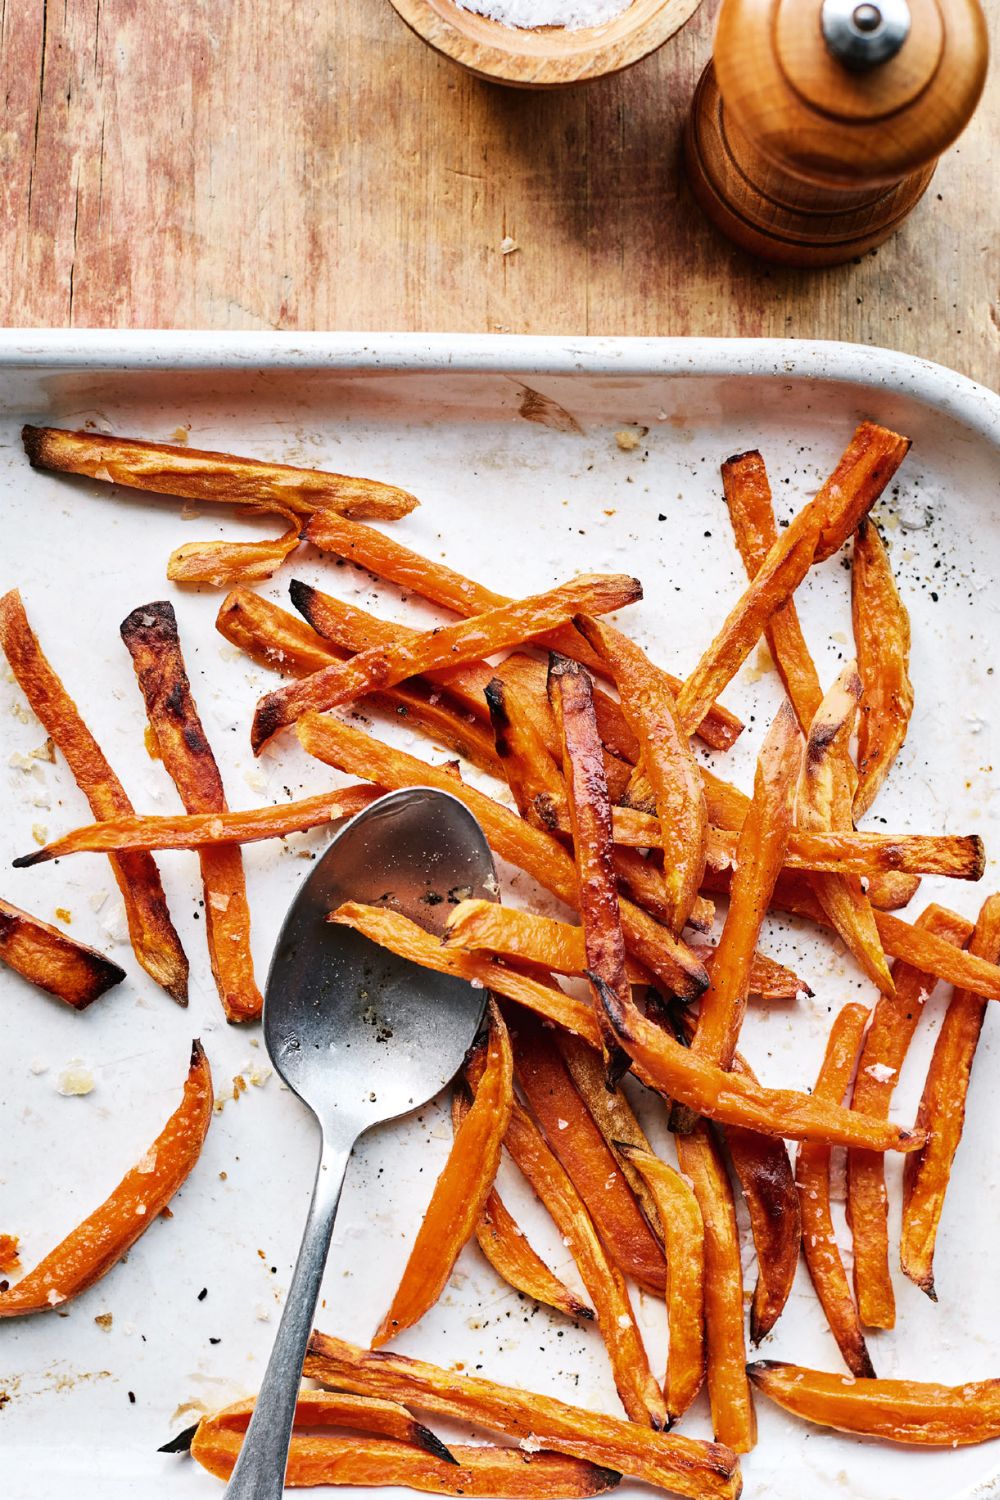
(748, 500)
(528, 677)
(872, 457)
(572, 701)
(667, 761)
(201, 830)
(199, 474)
(682, 1074)
(842, 852)
(760, 853)
(154, 940)
(223, 564)
(882, 638)
(506, 1247)
(90, 1250)
(897, 1411)
(639, 1393)
(684, 1466)
(51, 960)
(388, 559)
(894, 1022)
(474, 1470)
(934, 954)
(734, 1421)
(825, 802)
(685, 1245)
(529, 770)
(580, 1147)
(460, 1192)
(330, 1409)
(271, 636)
(942, 1112)
(613, 1116)
(448, 645)
(542, 856)
(151, 638)
(812, 1177)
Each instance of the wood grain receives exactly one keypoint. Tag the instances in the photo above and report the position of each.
(307, 164)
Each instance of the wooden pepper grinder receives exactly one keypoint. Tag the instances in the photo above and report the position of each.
(818, 124)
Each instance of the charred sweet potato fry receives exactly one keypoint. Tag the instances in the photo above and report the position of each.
(331, 1409)
(942, 1112)
(388, 559)
(460, 1192)
(812, 1177)
(51, 960)
(639, 1393)
(882, 638)
(760, 853)
(897, 1411)
(894, 1022)
(447, 645)
(685, 1246)
(842, 852)
(872, 457)
(684, 1466)
(748, 500)
(362, 1462)
(734, 1421)
(529, 770)
(825, 802)
(593, 1169)
(650, 708)
(154, 940)
(572, 700)
(150, 635)
(200, 830)
(506, 1247)
(90, 1250)
(542, 856)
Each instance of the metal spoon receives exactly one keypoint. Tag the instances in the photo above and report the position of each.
(361, 1036)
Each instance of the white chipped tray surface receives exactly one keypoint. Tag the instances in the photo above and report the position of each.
(519, 505)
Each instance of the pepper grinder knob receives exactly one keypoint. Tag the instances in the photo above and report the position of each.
(817, 126)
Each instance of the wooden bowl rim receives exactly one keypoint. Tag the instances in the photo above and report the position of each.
(504, 58)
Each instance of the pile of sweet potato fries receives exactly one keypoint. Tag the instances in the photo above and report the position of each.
(617, 818)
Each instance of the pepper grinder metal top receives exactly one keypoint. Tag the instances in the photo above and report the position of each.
(817, 126)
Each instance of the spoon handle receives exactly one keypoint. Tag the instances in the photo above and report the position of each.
(260, 1468)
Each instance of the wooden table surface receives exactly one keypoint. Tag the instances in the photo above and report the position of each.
(310, 164)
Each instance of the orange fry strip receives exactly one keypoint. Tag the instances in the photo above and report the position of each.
(942, 1112)
(542, 856)
(200, 830)
(685, 1245)
(734, 1421)
(528, 677)
(670, 767)
(759, 856)
(575, 1139)
(511, 933)
(682, 1465)
(872, 457)
(472, 1471)
(529, 770)
(448, 645)
(897, 1411)
(460, 1192)
(934, 954)
(506, 1247)
(325, 1409)
(388, 559)
(825, 802)
(223, 564)
(198, 474)
(50, 959)
(843, 852)
(812, 1177)
(639, 1393)
(572, 700)
(90, 1250)
(150, 635)
(748, 500)
(882, 638)
(894, 1022)
(154, 940)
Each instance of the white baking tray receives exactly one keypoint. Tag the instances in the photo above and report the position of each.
(518, 503)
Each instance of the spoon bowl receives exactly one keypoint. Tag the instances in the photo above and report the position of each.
(361, 1037)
